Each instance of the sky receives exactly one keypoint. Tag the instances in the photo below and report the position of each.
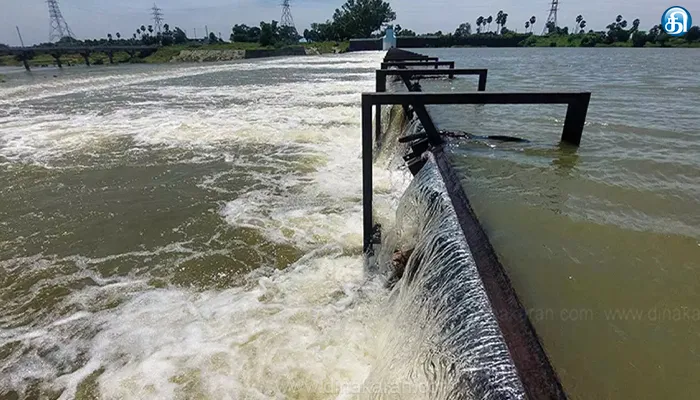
(97, 18)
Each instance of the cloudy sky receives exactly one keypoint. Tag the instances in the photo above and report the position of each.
(96, 18)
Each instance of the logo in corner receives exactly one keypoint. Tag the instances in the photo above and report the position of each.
(676, 21)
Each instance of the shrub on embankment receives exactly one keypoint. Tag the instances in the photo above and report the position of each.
(171, 53)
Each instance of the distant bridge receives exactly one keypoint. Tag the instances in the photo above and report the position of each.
(27, 53)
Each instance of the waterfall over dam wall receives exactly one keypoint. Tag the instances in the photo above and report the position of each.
(458, 330)
(446, 340)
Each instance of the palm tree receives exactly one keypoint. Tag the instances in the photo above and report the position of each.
(479, 22)
(635, 24)
(138, 32)
(119, 35)
(582, 25)
(166, 27)
(488, 21)
(618, 19)
(532, 23)
(623, 24)
(499, 18)
(504, 19)
(579, 18)
(109, 37)
(150, 28)
(527, 26)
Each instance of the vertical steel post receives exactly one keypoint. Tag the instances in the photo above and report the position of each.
(575, 119)
(482, 81)
(380, 87)
(367, 223)
(25, 61)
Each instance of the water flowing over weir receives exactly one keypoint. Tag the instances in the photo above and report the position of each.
(445, 333)
(216, 253)
(185, 251)
(444, 341)
(462, 321)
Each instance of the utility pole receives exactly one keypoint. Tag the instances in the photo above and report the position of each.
(206, 31)
(157, 18)
(286, 19)
(20, 35)
(552, 18)
(195, 33)
(58, 28)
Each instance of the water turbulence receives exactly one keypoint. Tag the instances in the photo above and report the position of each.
(152, 249)
(444, 341)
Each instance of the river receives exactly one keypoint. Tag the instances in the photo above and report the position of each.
(194, 231)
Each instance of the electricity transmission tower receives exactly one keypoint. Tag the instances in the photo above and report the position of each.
(157, 18)
(287, 19)
(58, 27)
(552, 15)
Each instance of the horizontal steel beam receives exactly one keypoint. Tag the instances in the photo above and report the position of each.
(477, 98)
(423, 59)
(401, 64)
(576, 111)
(408, 73)
(457, 71)
(399, 54)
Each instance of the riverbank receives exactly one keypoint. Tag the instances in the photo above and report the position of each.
(188, 53)
(512, 39)
(596, 40)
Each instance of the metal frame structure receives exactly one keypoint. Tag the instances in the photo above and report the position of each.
(382, 74)
(404, 55)
(404, 64)
(407, 74)
(577, 103)
(534, 369)
(425, 58)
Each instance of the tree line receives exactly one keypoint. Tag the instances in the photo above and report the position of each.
(618, 32)
(366, 18)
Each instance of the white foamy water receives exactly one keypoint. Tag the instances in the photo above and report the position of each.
(282, 140)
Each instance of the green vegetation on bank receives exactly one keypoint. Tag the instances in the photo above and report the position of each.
(594, 40)
(617, 34)
(360, 19)
(170, 43)
(68, 59)
(165, 54)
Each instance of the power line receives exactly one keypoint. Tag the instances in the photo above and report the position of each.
(157, 18)
(58, 28)
(286, 19)
(552, 18)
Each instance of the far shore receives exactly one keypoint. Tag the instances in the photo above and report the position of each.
(185, 53)
(238, 51)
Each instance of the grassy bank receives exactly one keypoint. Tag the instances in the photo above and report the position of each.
(67, 59)
(162, 55)
(165, 54)
(591, 40)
